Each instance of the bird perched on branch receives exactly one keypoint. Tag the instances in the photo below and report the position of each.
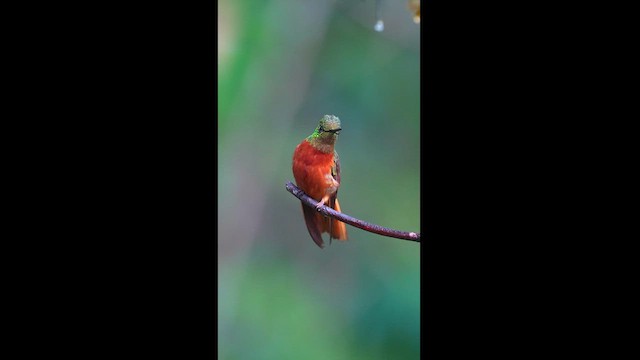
(316, 168)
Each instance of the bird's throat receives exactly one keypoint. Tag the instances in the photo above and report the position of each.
(322, 146)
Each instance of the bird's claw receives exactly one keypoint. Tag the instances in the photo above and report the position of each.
(322, 202)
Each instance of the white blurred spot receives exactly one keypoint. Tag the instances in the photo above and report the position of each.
(379, 26)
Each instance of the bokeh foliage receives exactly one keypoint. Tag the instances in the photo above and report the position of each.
(281, 66)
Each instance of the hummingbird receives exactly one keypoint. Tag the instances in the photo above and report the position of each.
(316, 168)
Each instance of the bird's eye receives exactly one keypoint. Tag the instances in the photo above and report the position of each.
(321, 128)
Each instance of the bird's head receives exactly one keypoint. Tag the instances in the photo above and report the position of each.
(327, 130)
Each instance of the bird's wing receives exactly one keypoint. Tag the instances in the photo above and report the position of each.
(335, 172)
(313, 222)
(335, 169)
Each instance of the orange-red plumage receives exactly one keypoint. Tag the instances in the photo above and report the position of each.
(317, 172)
(310, 169)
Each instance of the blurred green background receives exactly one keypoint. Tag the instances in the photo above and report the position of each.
(282, 65)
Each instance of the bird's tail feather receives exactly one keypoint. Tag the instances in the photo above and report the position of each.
(339, 229)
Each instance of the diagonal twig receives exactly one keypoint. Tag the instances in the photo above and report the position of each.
(377, 229)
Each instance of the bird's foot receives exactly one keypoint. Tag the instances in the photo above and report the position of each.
(321, 203)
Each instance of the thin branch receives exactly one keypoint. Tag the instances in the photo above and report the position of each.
(310, 202)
